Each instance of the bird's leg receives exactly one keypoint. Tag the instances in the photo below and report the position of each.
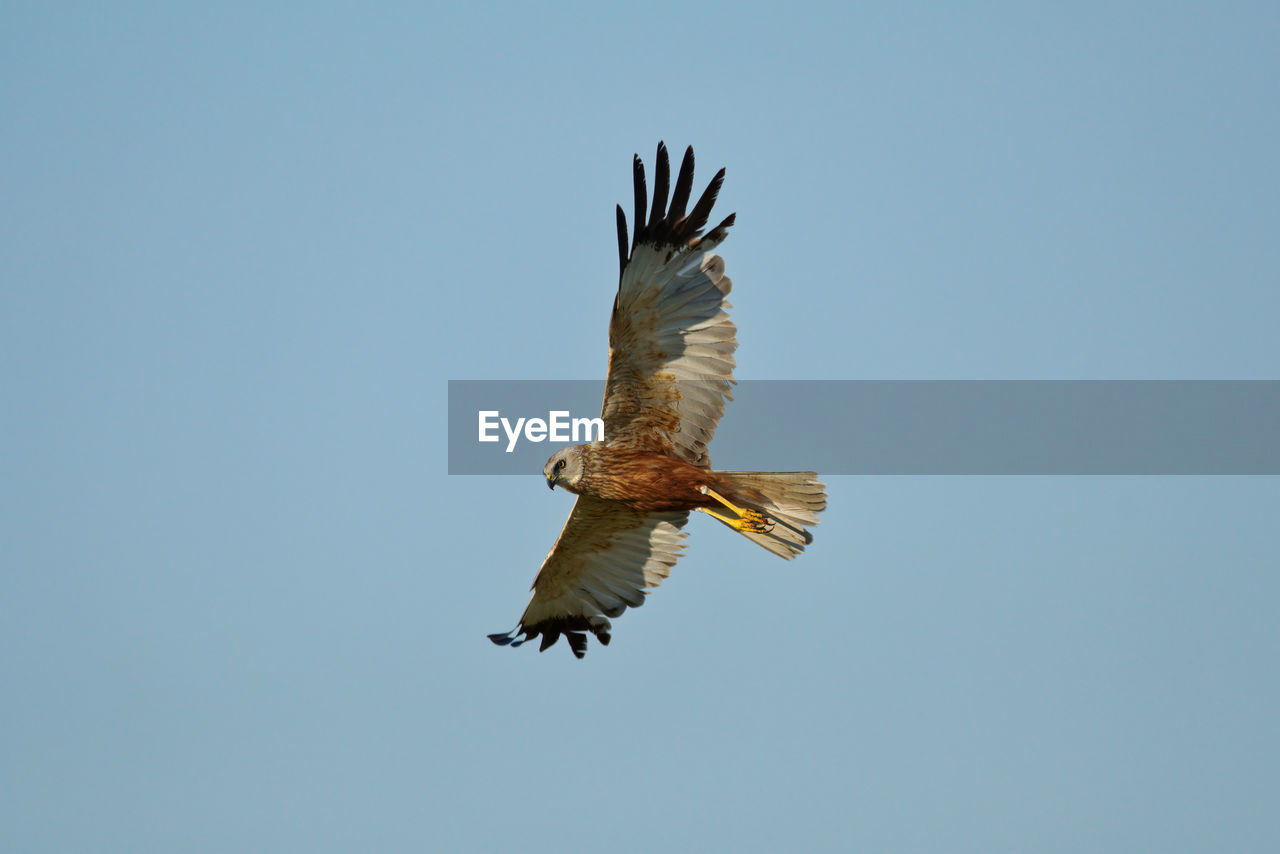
(748, 521)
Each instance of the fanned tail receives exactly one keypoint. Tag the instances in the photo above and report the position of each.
(790, 500)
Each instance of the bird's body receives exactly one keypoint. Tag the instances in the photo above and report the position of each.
(643, 480)
(671, 346)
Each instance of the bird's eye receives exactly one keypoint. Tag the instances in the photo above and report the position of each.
(560, 465)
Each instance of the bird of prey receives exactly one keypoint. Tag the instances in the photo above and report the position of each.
(671, 347)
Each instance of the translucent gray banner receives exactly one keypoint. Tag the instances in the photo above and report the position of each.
(908, 427)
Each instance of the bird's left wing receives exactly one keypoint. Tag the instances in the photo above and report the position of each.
(605, 560)
(671, 342)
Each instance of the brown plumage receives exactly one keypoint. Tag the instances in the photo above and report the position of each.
(643, 480)
(671, 346)
(654, 483)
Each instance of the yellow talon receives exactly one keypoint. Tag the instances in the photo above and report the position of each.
(748, 521)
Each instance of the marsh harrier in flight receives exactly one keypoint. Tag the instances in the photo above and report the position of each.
(671, 365)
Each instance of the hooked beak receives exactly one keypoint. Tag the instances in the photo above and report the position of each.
(551, 482)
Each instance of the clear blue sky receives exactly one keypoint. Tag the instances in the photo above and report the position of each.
(242, 249)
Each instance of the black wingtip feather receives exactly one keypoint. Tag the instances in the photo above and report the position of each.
(684, 185)
(642, 197)
(698, 217)
(511, 638)
(623, 248)
(718, 233)
(667, 225)
(661, 185)
(574, 629)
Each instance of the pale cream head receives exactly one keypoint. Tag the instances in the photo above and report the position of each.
(564, 469)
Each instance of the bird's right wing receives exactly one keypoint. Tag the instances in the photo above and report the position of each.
(605, 560)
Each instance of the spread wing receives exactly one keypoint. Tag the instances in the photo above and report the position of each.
(671, 342)
(606, 559)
